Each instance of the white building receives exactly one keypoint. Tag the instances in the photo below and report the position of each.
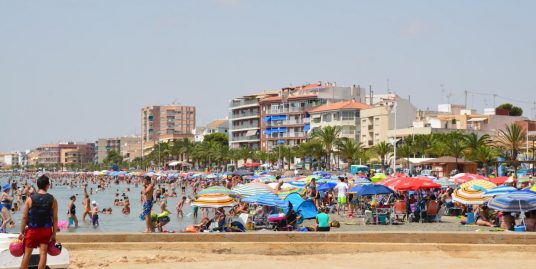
(344, 114)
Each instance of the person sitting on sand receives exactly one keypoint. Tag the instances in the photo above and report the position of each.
(507, 221)
(483, 217)
(322, 221)
(205, 223)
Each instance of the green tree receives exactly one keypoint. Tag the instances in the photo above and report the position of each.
(113, 158)
(328, 137)
(512, 110)
(348, 149)
(512, 139)
(474, 142)
(383, 149)
(221, 138)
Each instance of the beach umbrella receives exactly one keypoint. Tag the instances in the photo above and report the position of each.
(514, 202)
(214, 201)
(370, 189)
(299, 184)
(266, 199)
(361, 181)
(217, 190)
(308, 179)
(479, 184)
(284, 193)
(469, 196)
(378, 177)
(285, 186)
(251, 189)
(499, 180)
(499, 191)
(409, 184)
(465, 177)
(326, 186)
(445, 183)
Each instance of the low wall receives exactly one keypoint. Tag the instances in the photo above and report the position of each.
(333, 237)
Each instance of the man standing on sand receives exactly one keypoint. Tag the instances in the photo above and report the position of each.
(342, 189)
(147, 198)
(41, 217)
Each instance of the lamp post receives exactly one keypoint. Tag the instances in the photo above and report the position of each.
(394, 110)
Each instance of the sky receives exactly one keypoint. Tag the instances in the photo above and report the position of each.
(73, 70)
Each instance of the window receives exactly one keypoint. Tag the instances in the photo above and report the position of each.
(348, 115)
(326, 117)
(337, 116)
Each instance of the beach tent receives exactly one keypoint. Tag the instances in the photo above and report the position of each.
(306, 208)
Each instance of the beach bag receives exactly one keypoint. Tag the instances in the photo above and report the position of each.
(335, 224)
(16, 248)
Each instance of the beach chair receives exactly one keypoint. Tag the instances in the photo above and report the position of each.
(400, 208)
(432, 210)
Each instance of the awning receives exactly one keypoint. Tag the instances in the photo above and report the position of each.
(251, 133)
(477, 119)
(307, 127)
(279, 117)
(267, 118)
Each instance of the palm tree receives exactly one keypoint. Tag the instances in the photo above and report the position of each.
(454, 144)
(328, 136)
(485, 155)
(317, 151)
(383, 149)
(473, 142)
(245, 153)
(405, 151)
(512, 139)
(347, 149)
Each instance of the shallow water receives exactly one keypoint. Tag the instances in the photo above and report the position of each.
(116, 222)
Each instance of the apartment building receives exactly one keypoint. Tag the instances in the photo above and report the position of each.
(286, 119)
(244, 120)
(379, 119)
(65, 153)
(166, 123)
(215, 126)
(345, 114)
(128, 146)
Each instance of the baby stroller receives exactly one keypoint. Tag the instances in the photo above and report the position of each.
(284, 222)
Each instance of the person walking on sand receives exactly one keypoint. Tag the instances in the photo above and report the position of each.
(41, 216)
(71, 212)
(147, 198)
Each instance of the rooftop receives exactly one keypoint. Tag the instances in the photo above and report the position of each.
(340, 105)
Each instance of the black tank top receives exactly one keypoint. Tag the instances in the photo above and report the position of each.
(40, 214)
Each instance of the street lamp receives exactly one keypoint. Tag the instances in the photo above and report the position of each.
(393, 107)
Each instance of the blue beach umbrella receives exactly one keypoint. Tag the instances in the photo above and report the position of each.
(266, 199)
(371, 189)
(327, 186)
(514, 202)
(499, 191)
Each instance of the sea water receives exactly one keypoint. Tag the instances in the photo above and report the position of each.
(117, 221)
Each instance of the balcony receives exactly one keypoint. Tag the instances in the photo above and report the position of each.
(288, 122)
(245, 126)
(289, 110)
(243, 103)
(245, 115)
(287, 135)
(245, 138)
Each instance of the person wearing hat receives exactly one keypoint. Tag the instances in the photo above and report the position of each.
(6, 202)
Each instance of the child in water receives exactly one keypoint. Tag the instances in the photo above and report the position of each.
(95, 214)
(163, 218)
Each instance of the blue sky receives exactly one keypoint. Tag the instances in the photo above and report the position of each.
(80, 70)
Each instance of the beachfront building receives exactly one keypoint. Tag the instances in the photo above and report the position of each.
(286, 118)
(244, 120)
(66, 154)
(128, 146)
(457, 118)
(215, 126)
(345, 114)
(167, 123)
(376, 121)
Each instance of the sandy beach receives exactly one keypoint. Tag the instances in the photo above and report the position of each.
(415, 259)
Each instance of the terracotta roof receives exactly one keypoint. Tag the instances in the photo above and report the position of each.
(216, 123)
(340, 105)
(446, 159)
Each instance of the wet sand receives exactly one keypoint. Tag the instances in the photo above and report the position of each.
(134, 259)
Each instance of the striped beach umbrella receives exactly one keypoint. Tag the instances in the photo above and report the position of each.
(499, 191)
(469, 196)
(214, 201)
(466, 177)
(479, 184)
(514, 202)
(217, 190)
(284, 193)
(445, 183)
(266, 199)
(251, 189)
